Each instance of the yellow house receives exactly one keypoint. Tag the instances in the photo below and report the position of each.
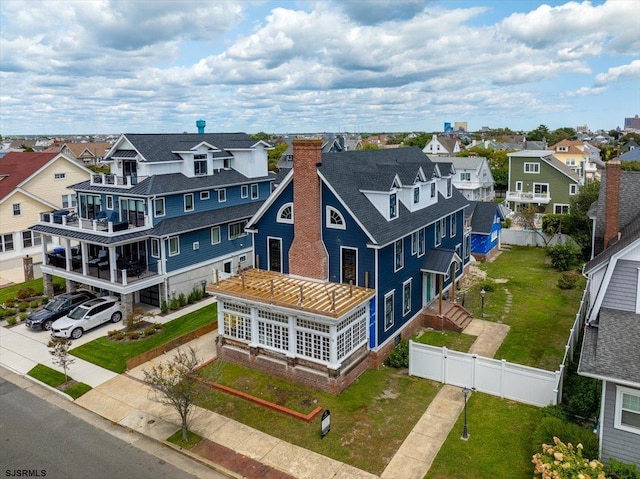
(31, 183)
(573, 154)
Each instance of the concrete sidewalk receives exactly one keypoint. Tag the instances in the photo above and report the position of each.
(232, 448)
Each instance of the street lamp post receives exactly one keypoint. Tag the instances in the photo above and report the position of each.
(482, 293)
(465, 433)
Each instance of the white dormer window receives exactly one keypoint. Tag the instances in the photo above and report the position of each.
(200, 165)
(562, 148)
(416, 195)
(335, 220)
(449, 188)
(393, 206)
(285, 214)
(433, 190)
(227, 163)
(465, 176)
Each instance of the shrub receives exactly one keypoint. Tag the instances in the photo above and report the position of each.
(45, 300)
(22, 307)
(191, 298)
(568, 280)
(157, 326)
(174, 304)
(507, 223)
(164, 307)
(9, 312)
(580, 395)
(119, 336)
(556, 411)
(34, 304)
(182, 300)
(23, 316)
(133, 335)
(10, 303)
(149, 331)
(622, 470)
(26, 293)
(550, 427)
(112, 333)
(564, 461)
(399, 356)
(11, 320)
(563, 255)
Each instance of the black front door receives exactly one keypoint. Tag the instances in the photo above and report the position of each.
(275, 254)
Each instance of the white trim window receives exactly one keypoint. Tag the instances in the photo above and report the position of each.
(204, 195)
(255, 193)
(443, 227)
(414, 243)
(573, 189)
(155, 248)
(17, 209)
(59, 176)
(335, 220)
(627, 416)
(244, 191)
(393, 206)
(532, 167)
(406, 297)
(215, 234)
(416, 195)
(222, 195)
(465, 176)
(453, 225)
(518, 185)
(398, 255)
(158, 207)
(285, 214)
(421, 234)
(174, 245)
(437, 237)
(109, 202)
(560, 209)
(30, 239)
(236, 230)
(388, 310)
(433, 190)
(7, 242)
(69, 201)
(188, 202)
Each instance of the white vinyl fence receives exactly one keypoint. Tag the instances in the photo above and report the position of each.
(491, 376)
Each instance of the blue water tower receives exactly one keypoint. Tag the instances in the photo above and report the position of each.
(201, 124)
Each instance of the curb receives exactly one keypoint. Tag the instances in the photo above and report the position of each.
(46, 386)
(202, 460)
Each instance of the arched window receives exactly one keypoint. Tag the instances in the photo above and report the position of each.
(285, 214)
(335, 219)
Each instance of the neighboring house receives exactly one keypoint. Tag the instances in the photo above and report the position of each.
(442, 146)
(30, 184)
(169, 215)
(610, 349)
(537, 178)
(86, 153)
(331, 144)
(629, 145)
(349, 250)
(472, 177)
(631, 155)
(580, 157)
(485, 220)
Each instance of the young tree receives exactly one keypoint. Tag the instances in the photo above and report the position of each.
(135, 318)
(175, 383)
(577, 223)
(60, 352)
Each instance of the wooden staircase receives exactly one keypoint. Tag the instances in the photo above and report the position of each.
(454, 316)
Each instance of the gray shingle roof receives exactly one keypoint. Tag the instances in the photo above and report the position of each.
(610, 350)
(159, 147)
(628, 234)
(90, 237)
(347, 171)
(461, 162)
(438, 260)
(482, 214)
(631, 155)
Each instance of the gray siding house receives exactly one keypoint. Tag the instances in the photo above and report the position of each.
(611, 345)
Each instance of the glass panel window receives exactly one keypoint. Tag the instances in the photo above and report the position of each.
(285, 215)
(388, 310)
(416, 195)
(109, 202)
(443, 227)
(30, 239)
(244, 191)
(335, 219)
(200, 166)
(69, 201)
(222, 195)
(449, 188)
(532, 167)
(453, 225)
(349, 265)
(421, 242)
(237, 229)
(215, 235)
(158, 206)
(59, 176)
(188, 202)
(465, 176)
(7, 242)
(174, 246)
(17, 209)
(393, 205)
(433, 190)
(414, 243)
(204, 195)
(254, 191)
(398, 255)
(155, 247)
(627, 415)
(437, 236)
(406, 297)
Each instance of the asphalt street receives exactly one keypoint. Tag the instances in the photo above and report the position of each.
(39, 438)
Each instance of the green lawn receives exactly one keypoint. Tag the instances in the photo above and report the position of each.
(10, 292)
(369, 421)
(55, 378)
(499, 446)
(450, 339)
(114, 355)
(539, 308)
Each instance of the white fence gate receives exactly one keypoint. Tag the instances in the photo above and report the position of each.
(492, 376)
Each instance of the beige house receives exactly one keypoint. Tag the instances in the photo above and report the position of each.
(577, 156)
(86, 153)
(31, 183)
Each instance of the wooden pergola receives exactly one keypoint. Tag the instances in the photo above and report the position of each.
(304, 294)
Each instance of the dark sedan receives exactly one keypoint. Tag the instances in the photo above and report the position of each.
(56, 308)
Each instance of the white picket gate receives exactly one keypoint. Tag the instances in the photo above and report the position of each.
(492, 376)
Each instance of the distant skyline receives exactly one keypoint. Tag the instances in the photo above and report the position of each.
(111, 66)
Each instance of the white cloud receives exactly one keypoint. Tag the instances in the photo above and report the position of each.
(584, 91)
(623, 72)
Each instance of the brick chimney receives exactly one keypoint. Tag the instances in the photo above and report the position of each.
(307, 255)
(612, 202)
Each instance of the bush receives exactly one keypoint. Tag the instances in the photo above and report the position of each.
(45, 300)
(119, 336)
(10, 303)
(580, 395)
(9, 312)
(23, 316)
(164, 307)
(26, 293)
(191, 298)
(622, 470)
(563, 256)
(568, 280)
(399, 356)
(182, 300)
(133, 335)
(34, 304)
(174, 304)
(22, 307)
(550, 427)
(149, 331)
(507, 223)
(564, 461)
(11, 320)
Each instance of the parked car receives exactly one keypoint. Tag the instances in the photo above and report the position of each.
(87, 316)
(56, 308)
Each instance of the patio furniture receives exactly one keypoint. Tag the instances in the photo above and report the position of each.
(103, 255)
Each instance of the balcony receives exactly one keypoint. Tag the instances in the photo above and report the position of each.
(112, 180)
(528, 197)
(103, 226)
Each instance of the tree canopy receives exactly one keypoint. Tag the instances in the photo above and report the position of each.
(577, 223)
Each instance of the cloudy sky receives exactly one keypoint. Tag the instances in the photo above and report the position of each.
(154, 66)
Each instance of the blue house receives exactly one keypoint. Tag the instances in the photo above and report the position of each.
(170, 214)
(485, 219)
(349, 250)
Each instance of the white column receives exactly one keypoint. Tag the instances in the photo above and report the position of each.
(333, 346)
(254, 327)
(292, 337)
(67, 254)
(84, 253)
(112, 264)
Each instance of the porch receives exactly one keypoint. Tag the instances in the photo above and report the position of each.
(102, 225)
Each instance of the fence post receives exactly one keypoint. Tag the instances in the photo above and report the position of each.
(444, 365)
(503, 365)
(474, 358)
(559, 385)
(410, 353)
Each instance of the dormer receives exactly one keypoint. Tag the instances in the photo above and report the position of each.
(386, 202)
(445, 181)
(417, 195)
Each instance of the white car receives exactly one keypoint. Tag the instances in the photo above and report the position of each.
(87, 316)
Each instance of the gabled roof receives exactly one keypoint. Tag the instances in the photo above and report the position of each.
(97, 149)
(439, 260)
(610, 349)
(629, 234)
(461, 162)
(161, 147)
(482, 214)
(547, 156)
(631, 155)
(16, 167)
(349, 172)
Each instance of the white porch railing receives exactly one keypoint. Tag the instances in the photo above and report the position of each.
(528, 197)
